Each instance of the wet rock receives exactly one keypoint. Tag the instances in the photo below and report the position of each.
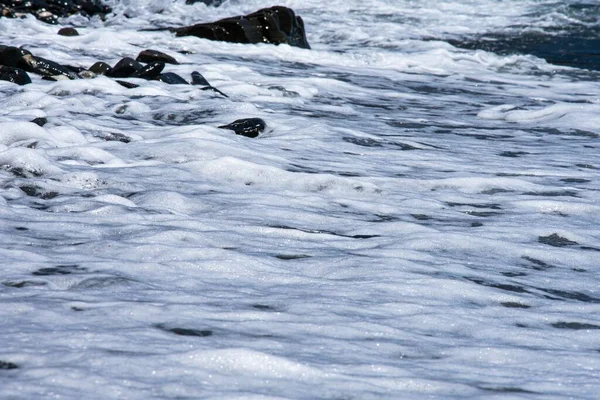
(14, 75)
(8, 365)
(50, 10)
(68, 32)
(148, 56)
(59, 270)
(87, 74)
(128, 85)
(186, 331)
(149, 71)
(556, 241)
(40, 121)
(198, 79)
(276, 25)
(172, 79)
(13, 57)
(35, 191)
(214, 3)
(249, 127)
(100, 68)
(125, 68)
(47, 68)
(575, 326)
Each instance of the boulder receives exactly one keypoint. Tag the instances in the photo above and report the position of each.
(276, 25)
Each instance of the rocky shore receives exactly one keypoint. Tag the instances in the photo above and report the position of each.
(274, 25)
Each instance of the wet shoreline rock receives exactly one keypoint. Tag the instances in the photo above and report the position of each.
(15, 62)
(50, 10)
(275, 25)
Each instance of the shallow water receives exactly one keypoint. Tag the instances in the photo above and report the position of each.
(418, 221)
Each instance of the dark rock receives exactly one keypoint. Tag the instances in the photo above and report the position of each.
(556, 241)
(147, 56)
(198, 79)
(126, 84)
(100, 68)
(125, 68)
(274, 25)
(186, 331)
(249, 127)
(14, 75)
(214, 3)
(149, 71)
(172, 79)
(575, 326)
(41, 121)
(8, 365)
(50, 10)
(13, 57)
(68, 32)
(47, 68)
(59, 270)
(263, 307)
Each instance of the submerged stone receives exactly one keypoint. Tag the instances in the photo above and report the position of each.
(147, 56)
(556, 241)
(249, 127)
(214, 3)
(128, 85)
(8, 365)
(276, 25)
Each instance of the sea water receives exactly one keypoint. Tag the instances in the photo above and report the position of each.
(420, 220)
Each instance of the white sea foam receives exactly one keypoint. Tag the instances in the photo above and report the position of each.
(417, 220)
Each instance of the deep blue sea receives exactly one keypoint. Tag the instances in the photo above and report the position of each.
(419, 220)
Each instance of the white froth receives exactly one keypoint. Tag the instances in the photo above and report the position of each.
(416, 221)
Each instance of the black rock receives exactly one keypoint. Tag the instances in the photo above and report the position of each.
(14, 75)
(100, 68)
(13, 57)
(68, 32)
(274, 25)
(126, 84)
(249, 127)
(214, 89)
(47, 68)
(172, 79)
(214, 3)
(41, 121)
(147, 56)
(8, 365)
(556, 241)
(149, 71)
(125, 68)
(198, 79)
(50, 10)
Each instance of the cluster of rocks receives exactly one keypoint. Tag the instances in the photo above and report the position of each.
(276, 25)
(50, 10)
(16, 62)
